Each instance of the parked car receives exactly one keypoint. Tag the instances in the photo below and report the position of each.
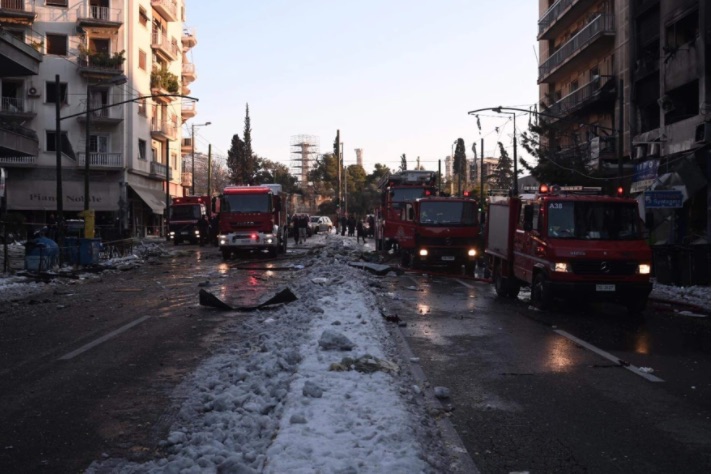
(320, 224)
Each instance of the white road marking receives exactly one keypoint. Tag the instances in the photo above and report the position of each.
(606, 355)
(464, 283)
(102, 339)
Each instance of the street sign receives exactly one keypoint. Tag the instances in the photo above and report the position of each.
(663, 199)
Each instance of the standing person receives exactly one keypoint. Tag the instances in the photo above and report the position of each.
(371, 225)
(295, 228)
(343, 225)
(352, 225)
(204, 229)
(214, 229)
(303, 224)
(360, 231)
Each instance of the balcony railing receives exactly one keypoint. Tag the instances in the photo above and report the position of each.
(188, 72)
(160, 42)
(168, 9)
(18, 160)
(16, 105)
(158, 169)
(99, 16)
(104, 63)
(553, 13)
(101, 160)
(189, 39)
(106, 113)
(22, 10)
(167, 129)
(188, 109)
(580, 97)
(600, 25)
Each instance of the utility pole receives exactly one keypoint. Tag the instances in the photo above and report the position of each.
(58, 151)
(210, 168)
(168, 185)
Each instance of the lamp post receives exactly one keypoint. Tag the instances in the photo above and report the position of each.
(192, 154)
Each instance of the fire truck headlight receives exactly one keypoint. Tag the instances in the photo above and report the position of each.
(223, 240)
(472, 253)
(423, 252)
(269, 241)
(562, 267)
(172, 234)
(644, 269)
(197, 232)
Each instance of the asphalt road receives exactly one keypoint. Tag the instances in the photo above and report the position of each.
(535, 392)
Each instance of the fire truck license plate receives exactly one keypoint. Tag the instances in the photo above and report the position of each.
(605, 287)
(448, 258)
(184, 232)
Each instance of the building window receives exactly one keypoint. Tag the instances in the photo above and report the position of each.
(56, 44)
(56, 3)
(52, 93)
(142, 16)
(174, 161)
(66, 144)
(154, 154)
(141, 149)
(573, 87)
(142, 59)
(142, 107)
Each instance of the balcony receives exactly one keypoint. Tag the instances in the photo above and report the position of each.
(186, 145)
(17, 12)
(163, 130)
(189, 40)
(158, 170)
(16, 108)
(16, 140)
(188, 72)
(110, 115)
(18, 161)
(16, 57)
(595, 37)
(164, 82)
(162, 45)
(101, 160)
(186, 179)
(559, 16)
(99, 17)
(594, 92)
(187, 110)
(168, 9)
(100, 65)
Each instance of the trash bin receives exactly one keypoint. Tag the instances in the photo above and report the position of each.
(89, 251)
(70, 251)
(41, 254)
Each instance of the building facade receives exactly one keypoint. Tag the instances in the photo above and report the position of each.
(627, 84)
(105, 108)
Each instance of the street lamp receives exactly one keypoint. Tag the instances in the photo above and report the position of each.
(192, 159)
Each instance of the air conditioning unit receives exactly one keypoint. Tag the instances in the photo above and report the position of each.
(702, 133)
(654, 149)
(640, 152)
(666, 103)
(32, 92)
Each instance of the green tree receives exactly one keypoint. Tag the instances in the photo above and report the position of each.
(503, 173)
(249, 168)
(235, 160)
(404, 163)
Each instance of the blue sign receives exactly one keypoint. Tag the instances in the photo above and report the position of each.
(663, 199)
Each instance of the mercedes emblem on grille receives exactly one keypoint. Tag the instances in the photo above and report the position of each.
(605, 267)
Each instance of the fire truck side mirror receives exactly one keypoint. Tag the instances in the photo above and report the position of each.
(528, 218)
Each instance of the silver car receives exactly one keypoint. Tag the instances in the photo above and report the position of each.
(320, 224)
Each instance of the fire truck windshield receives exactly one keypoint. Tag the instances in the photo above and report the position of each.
(593, 220)
(247, 203)
(401, 195)
(444, 212)
(187, 212)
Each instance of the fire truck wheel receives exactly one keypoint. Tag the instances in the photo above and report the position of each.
(500, 283)
(225, 254)
(541, 297)
(513, 290)
(175, 241)
(272, 252)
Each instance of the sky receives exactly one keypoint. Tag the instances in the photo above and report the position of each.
(269, 401)
(394, 77)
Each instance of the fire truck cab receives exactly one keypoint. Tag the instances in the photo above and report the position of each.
(569, 242)
(183, 216)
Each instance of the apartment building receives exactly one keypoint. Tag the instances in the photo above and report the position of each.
(626, 84)
(105, 93)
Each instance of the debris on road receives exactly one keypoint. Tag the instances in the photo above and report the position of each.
(208, 299)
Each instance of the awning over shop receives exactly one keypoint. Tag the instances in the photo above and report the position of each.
(41, 195)
(154, 198)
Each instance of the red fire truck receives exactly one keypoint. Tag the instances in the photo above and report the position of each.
(396, 190)
(252, 218)
(569, 242)
(183, 216)
(439, 231)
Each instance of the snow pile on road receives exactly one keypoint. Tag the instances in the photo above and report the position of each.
(313, 386)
